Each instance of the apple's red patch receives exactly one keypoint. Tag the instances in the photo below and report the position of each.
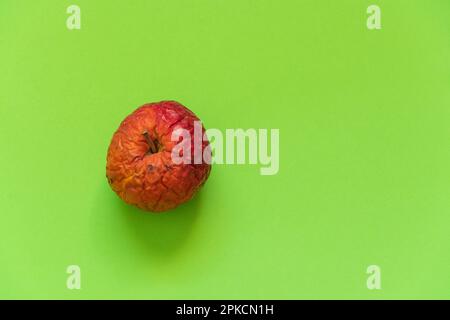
(139, 164)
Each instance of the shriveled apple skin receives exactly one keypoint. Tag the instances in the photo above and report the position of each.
(153, 182)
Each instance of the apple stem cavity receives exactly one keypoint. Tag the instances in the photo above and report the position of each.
(150, 143)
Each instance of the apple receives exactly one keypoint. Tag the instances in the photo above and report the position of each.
(140, 167)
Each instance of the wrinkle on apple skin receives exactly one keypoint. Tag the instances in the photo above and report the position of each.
(167, 184)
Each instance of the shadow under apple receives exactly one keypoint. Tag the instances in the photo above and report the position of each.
(157, 235)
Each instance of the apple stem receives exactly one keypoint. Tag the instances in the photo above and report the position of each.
(150, 143)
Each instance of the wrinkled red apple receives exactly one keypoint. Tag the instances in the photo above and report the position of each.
(139, 165)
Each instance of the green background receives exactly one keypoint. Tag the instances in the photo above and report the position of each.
(364, 119)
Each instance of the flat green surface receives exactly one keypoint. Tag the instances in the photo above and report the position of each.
(364, 119)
